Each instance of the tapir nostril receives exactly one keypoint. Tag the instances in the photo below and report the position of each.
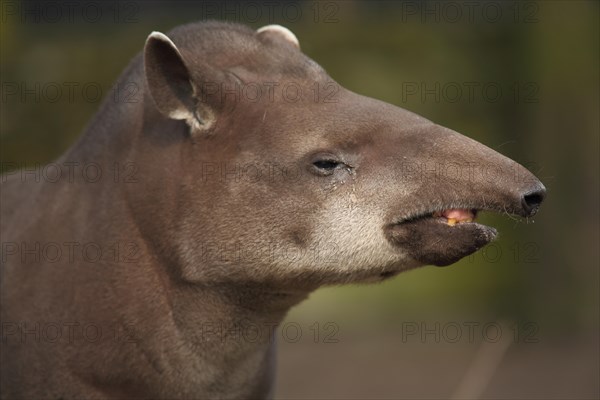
(531, 201)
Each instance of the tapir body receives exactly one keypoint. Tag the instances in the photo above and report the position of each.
(238, 178)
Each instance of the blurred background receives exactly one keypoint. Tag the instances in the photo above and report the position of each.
(519, 319)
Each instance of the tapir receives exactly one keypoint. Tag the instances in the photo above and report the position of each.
(224, 178)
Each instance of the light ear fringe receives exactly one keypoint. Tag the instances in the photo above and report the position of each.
(189, 116)
(156, 35)
(282, 31)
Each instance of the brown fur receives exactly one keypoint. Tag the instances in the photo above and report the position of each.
(224, 250)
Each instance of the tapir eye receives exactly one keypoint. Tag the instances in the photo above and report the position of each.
(325, 165)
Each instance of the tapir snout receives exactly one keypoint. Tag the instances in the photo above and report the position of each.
(451, 178)
(456, 171)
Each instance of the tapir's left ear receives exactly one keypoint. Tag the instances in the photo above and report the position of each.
(278, 33)
(168, 78)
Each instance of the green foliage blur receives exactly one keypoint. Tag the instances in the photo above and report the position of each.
(543, 57)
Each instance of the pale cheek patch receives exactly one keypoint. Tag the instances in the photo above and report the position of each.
(283, 32)
(355, 237)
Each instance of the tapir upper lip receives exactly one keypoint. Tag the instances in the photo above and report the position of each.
(474, 207)
(519, 203)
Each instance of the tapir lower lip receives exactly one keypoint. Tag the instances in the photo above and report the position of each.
(431, 240)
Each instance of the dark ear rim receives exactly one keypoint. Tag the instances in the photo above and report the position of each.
(168, 78)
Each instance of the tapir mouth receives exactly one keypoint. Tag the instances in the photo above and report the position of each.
(441, 237)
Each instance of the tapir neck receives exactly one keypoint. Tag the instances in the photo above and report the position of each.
(233, 321)
(229, 330)
(185, 328)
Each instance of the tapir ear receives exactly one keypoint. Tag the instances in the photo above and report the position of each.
(168, 78)
(278, 32)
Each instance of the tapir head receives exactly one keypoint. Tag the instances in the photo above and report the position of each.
(279, 175)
